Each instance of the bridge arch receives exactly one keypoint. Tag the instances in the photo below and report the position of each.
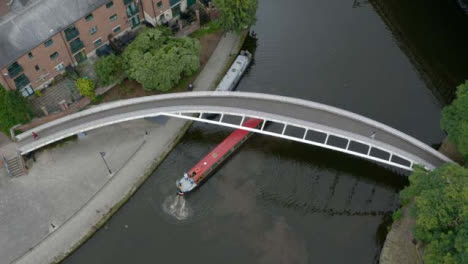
(316, 124)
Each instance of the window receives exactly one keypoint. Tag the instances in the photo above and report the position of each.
(80, 56)
(37, 67)
(93, 30)
(14, 69)
(26, 91)
(159, 4)
(97, 42)
(174, 2)
(89, 17)
(116, 29)
(175, 10)
(113, 17)
(71, 33)
(54, 55)
(59, 67)
(48, 42)
(76, 45)
(21, 81)
(30, 55)
(110, 4)
(132, 9)
(135, 21)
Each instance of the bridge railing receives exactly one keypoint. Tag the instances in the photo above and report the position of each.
(258, 105)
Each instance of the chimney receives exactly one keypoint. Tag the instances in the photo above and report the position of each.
(5, 6)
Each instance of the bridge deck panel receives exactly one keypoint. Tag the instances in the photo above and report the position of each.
(338, 142)
(358, 147)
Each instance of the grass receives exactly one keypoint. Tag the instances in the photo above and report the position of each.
(209, 28)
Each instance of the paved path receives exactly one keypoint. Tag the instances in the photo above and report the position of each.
(285, 109)
(70, 188)
(60, 181)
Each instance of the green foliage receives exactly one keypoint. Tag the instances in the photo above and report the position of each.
(441, 211)
(109, 70)
(86, 87)
(209, 28)
(97, 100)
(396, 215)
(14, 109)
(38, 93)
(158, 60)
(236, 15)
(455, 120)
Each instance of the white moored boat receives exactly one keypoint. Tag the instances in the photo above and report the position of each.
(235, 72)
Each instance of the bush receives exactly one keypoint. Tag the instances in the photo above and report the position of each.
(396, 215)
(86, 87)
(38, 93)
(158, 60)
(14, 109)
(455, 120)
(109, 70)
(236, 15)
(441, 211)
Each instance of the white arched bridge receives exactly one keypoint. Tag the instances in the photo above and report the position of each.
(294, 119)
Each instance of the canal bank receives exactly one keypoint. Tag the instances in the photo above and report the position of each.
(398, 246)
(156, 145)
(290, 202)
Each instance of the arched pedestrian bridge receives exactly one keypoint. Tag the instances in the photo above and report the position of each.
(289, 118)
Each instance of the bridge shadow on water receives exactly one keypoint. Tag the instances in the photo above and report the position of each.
(313, 181)
(286, 178)
(273, 199)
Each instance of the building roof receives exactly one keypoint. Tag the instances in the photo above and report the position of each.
(31, 22)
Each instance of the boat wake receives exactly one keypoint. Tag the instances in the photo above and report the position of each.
(176, 206)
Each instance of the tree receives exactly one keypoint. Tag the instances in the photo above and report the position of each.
(14, 109)
(157, 60)
(109, 70)
(455, 120)
(236, 15)
(86, 87)
(441, 211)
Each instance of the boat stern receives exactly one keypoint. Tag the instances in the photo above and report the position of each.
(185, 185)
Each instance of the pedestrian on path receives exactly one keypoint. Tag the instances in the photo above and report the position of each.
(35, 135)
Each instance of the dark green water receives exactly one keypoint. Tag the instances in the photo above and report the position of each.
(277, 201)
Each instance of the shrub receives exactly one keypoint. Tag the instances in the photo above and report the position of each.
(158, 60)
(14, 109)
(455, 120)
(236, 15)
(86, 87)
(109, 70)
(441, 211)
(396, 215)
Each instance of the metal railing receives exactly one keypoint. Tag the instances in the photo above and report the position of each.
(371, 151)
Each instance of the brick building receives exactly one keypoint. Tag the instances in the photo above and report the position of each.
(39, 38)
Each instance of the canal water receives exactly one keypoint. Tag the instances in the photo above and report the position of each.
(277, 201)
